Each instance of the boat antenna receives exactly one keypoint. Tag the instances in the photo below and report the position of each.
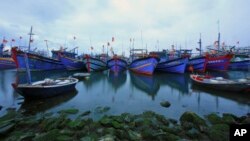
(30, 38)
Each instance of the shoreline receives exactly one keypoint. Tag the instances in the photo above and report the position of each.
(145, 126)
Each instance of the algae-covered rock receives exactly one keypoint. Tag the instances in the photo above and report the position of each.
(102, 110)
(75, 124)
(5, 127)
(87, 138)
(69, 111)
(106, 121)
(107, 138)
(213, 118)
(190, 119)
(116, 124)
(228, 118)
(48, 136)
(165, 104)
(134, 136)
(64, 138)
(193, 133)
(85, 113)
(219, 132)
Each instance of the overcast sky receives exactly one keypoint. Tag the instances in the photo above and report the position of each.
(95, 22)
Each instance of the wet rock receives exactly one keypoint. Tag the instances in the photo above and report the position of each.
(172, 137)
(246, 120)
(85, 113)
(48, 136)
(228, 118)
(75, 124)
(214, 118)
(102, 110)
(134, 136)
(219, 132)
(87, 138)
(173, 121)
(6, 127)
(106, 121)
(64, 138)
(193, 133)
(116, 124)
(107, 138)
(190, 119)
(165, 104)
(67, 132)
(69, 111)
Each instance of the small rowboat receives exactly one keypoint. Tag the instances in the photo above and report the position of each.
(46, 88)
(219, 83)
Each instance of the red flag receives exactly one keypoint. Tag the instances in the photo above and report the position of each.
(108, 43)
(13, 40)
(238, 42)
(113, 39)
(91, 48)
(198, 49)
(31, 40)
(20, 37)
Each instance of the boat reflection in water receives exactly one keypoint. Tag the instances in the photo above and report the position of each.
(178, 82)
(117, 79)
(145, 83)
(234, 96)
(32, 107)
(94, 78)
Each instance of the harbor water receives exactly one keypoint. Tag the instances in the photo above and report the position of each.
(127, 92)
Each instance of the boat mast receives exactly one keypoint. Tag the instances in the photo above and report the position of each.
(200, 44)
(30, 38)
(218, 35)
(46, 41)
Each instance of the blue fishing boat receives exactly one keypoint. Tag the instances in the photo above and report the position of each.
(6, 62)
(94, 64)
(177, 65)
(69, 59)
(117, 64)
(37, 62)
(143, 63)
(198, 64)
(240, 62)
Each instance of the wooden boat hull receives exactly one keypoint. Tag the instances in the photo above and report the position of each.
(7, 63)
(231, 87)
(94, 64)
(71, 63)
(144, 65)
(174, 66)
(34, 92)
(117, 64)
(36, 62)
(240, 65)
(219, 63)
(198, 64)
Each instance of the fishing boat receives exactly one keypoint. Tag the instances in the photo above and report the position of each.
(177, 65)
(240, 62)
(37, 62)
(94, 63)
(142, 63)
(218, 62)
(117, 64)
(220, 83)
(69, 59)
(46, 88)
(6, 62)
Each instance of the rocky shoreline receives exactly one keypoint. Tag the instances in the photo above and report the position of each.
(146, 126)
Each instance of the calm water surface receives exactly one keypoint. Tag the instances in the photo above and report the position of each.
(128, 92)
